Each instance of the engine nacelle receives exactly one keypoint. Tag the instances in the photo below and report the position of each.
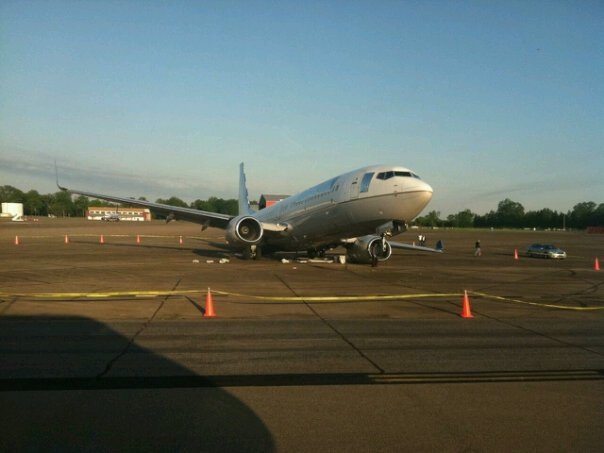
(365, 248)
(244, 230)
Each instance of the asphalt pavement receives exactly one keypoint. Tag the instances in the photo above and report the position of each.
(106, 346)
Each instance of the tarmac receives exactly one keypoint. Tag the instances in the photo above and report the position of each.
(105, 346)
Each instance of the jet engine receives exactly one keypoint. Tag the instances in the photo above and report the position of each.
(244, 230)
(365, 248)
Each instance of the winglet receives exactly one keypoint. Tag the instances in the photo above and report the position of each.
(64, 189)
(244, 203)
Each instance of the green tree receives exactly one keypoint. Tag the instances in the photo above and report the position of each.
(544, 218)
(33, 204)
(173, 201)
(510, 213)
(80, 206)
(583, 215)
(488, 220)
(213, 204)
(59, 204)
(10, 194)
(463, 219)
(432, 219)
(598, 215)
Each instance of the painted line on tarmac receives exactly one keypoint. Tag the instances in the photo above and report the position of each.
(289, 380)
(293, 299)
(487, 377)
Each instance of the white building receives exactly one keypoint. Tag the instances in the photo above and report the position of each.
(111, 213)
(14, 210)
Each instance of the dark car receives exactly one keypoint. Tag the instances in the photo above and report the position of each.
(545, 251)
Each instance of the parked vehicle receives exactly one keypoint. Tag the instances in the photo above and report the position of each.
(545, 251)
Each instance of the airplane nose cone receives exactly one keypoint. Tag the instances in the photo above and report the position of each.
(427, 187)
(426, 192)
(423, 188)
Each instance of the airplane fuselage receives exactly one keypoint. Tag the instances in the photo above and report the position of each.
(353, 204)
(358, 209)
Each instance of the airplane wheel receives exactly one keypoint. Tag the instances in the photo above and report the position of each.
(252, 254)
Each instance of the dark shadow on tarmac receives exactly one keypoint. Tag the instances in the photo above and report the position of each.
(222, 252)
(66, 384)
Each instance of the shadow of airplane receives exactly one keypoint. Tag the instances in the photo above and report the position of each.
(75, 384)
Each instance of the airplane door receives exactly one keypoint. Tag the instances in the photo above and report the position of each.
(354, 188)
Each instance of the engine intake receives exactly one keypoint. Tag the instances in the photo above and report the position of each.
(244, 230)
(365, 248)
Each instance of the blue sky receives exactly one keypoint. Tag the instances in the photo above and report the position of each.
(484, 100)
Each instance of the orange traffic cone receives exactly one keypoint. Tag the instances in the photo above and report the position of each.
(209, 313)
(17, 240)
(138, 239)
(66, 239)
(596, 264)
(466, 311)
(102, 240)
(515, 254)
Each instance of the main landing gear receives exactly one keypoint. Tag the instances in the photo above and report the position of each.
(378, 249)
(316, 253)
(253, 252)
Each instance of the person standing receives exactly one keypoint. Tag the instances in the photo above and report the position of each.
(477, 250)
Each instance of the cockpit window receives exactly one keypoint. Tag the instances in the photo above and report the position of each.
(365, 182)
(391, 174)
(385, 175)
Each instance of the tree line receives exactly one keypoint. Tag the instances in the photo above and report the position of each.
(62, 204)
(509, 214)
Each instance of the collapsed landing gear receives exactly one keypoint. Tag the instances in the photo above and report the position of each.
(378, 249)
(314, 253)
(373, 251)
(253, 252)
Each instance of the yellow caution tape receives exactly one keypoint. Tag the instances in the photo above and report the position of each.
(96, 235)
(336, 298)
(560, 307)
(304, 299)
(100, 295)
(224, 293)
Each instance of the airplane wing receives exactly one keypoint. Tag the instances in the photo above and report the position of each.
(400, 245)
(204, 218)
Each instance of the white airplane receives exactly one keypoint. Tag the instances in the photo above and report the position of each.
(358, 210)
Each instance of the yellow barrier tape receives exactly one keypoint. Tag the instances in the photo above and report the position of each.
(102, 295)
(223, 293)
(386, 297)
(96, 235)
(336, 298)
(560, 307)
